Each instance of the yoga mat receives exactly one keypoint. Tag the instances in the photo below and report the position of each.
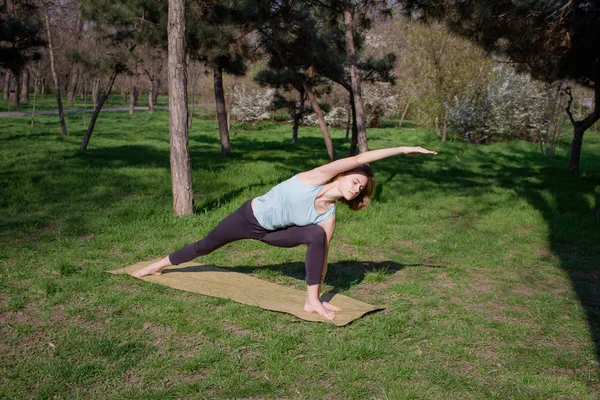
(245, 289)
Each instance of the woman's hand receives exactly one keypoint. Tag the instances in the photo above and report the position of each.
(411, 151)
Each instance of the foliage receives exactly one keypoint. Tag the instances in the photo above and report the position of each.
(380, 103)
(20, 33)
(251, 105)
(551, 39)
(439, 66)
(335, 117)
(513, 106)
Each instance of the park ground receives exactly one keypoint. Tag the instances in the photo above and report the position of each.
(485, 258)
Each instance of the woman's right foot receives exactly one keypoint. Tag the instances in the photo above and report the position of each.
(318, 308)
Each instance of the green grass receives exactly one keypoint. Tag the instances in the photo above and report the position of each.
(485, 257)
(48, 102)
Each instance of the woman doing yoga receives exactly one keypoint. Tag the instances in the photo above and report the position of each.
(300, 210)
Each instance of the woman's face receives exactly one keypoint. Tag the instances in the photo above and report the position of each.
(352, 184)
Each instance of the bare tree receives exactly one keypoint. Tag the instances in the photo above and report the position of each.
(63, 125)
(355, 78)
(181, 168)
(7, 84)
(116, 70)
(13, 89)
(24, 95)
(221, 111)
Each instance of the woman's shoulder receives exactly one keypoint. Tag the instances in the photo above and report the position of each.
(312, 177)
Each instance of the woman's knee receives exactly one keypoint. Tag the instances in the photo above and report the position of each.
(315, 234)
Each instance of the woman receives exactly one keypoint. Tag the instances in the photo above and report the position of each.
(298, 211)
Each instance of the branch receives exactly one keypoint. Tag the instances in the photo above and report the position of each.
(567, 90)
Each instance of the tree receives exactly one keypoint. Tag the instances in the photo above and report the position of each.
(119, 32)
(552, 40)
(289, 34)
(285, 80)
(20, 33)
(181, 168)
(63, 125)
(219, 42)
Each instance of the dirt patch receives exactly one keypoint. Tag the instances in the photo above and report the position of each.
(237, 331)
(130, 376)
(20, 317)
(86, 237)
(525, 290)
(49, 227)
(198, 376)
(406, 244)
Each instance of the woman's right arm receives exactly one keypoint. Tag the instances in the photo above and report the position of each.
(324, 173)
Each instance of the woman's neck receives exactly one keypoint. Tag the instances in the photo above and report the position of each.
(329, 194)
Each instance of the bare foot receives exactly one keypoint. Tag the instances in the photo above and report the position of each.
(152, 269)
(331, 307)
(318, 308)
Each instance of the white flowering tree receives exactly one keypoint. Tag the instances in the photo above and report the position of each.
(252, 105)
(380, 103)
(513, 106)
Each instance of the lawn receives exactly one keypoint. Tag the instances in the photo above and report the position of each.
(485, 258)
(48, 102)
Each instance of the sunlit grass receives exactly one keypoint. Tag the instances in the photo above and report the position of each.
(485, 258)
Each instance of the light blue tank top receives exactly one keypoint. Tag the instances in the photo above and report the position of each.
(289, 203)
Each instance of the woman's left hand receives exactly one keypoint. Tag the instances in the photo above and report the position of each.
(411, 151)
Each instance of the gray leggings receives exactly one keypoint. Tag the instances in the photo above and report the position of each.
(242, 224)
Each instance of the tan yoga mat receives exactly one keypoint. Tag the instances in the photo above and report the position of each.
(246, 289)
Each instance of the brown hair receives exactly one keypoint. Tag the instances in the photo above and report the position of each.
(363, 199)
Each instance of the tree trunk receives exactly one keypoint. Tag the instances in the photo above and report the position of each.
(24, 96)
(317, 109)
(13, 91)
(63, 125)
(580, 127)
(133, 94)
(73, 85)
(403, 114)
(43, 91)
(181, 166)
(354, 140)
(191, 115)
(100, 103)
(221, 111)
(85, 89)
(230, 103)
(576, 148)
(155, 91)
(36, 79)
(7, 78)
(445, 127)
(151, 97)
(298, 117)
(95, 89)
(355, 79)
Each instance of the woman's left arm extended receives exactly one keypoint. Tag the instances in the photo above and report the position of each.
(324, 173)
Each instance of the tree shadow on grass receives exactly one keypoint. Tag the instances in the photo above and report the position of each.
(565, 202)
